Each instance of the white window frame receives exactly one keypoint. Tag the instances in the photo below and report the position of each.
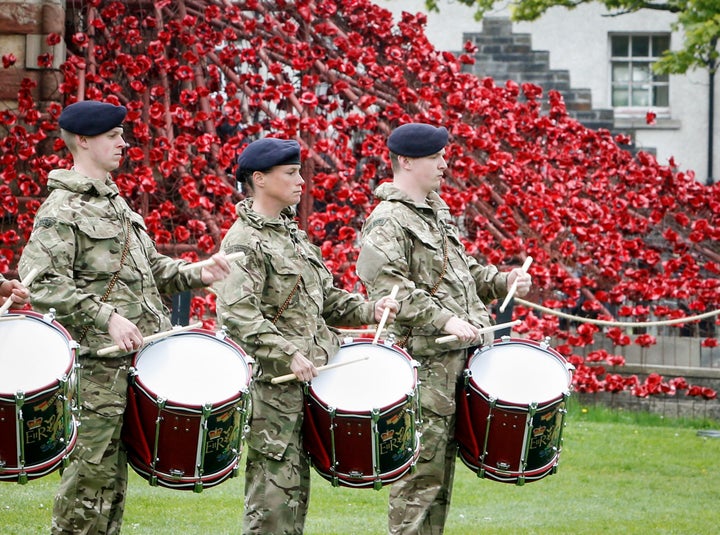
(637, 112)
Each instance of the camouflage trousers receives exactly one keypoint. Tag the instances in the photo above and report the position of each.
(419, 502)
(277, 492)
(91, 497)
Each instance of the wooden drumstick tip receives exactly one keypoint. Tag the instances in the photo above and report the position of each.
(385, 314)
(204, 263)
(513, 288)
(27, 281)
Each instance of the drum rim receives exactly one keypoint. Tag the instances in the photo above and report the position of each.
(473, 384)
(194, 407)
(68, 371)
(363, 413)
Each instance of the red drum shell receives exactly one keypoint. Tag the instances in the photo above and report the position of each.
(359, 421)
(511, 410)
(38, 381)
(187, 404)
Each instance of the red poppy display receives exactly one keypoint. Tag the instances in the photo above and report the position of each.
(613, 233)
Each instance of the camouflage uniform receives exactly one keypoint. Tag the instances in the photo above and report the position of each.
(277, 255)
(76, 243)
(404, 243)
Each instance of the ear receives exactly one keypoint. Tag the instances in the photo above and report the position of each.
(258, 179)
(80, 141)
(405, 162)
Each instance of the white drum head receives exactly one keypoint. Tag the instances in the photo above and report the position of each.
(33, 354)
(386, 377)
(518, 372)
(193, 369)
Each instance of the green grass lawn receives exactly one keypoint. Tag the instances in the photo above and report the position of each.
(619, 473)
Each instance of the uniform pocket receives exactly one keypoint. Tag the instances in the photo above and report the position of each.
(99, 246)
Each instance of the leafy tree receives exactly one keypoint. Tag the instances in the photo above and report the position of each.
(698, 19)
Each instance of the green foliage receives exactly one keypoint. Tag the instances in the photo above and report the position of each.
(698, 19)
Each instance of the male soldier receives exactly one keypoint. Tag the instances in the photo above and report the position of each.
(101, 273)
(14, 290)
(409, 240)
(276, 303)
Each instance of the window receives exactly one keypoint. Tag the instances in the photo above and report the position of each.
(634, 84)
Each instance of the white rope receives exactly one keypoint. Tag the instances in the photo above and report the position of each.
(674, 321)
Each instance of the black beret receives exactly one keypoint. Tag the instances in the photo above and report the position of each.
(262, 154)
(417, 139)
(91, 117)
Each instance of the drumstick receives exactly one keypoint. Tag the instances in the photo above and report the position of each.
(385, 315)
(204, 263)
(356, 332)
(452, 337)
(27, 281)
(513, 288)
(6, 317)
(292, 376)
(157, 336)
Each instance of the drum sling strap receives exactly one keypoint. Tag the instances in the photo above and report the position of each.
(116, 275)
(287, 301)
(434, 289)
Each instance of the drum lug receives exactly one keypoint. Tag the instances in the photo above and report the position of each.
(222, 333)
(50, 316)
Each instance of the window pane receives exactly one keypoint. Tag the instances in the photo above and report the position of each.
(641, 96)
(641, 72)
(640, 46)
(661, 78)
(660, 43)
(619, 96)
(662, 98)
(620, 46)
(621, 72)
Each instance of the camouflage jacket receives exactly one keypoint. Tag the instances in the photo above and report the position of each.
(278, 255)
(77, 242)
(406, 243)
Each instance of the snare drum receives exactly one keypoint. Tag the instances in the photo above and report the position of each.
(38, 384)
(359, 425)
(186, 412)
(511, 410)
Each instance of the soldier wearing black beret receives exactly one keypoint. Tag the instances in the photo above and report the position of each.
(101, 273)
(410, 241)
(278, 303)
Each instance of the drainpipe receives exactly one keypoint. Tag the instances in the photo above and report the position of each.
(712, 69)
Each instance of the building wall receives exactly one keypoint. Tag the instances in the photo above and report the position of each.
(577, 41)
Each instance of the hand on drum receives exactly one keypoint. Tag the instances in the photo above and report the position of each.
(523, 280)
(465, 331)
(303, 369)
(216, 270)
(124, 333)
(15, 291)
(386, 302)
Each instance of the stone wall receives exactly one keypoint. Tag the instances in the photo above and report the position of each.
(24, 27)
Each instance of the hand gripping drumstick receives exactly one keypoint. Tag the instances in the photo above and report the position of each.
(26, 282)
(114, 349)
(292, 376)
(385, 314)
(513, 288)
(210, 262)
(452, 337)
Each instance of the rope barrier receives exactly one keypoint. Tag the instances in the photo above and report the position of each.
(617, 323)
